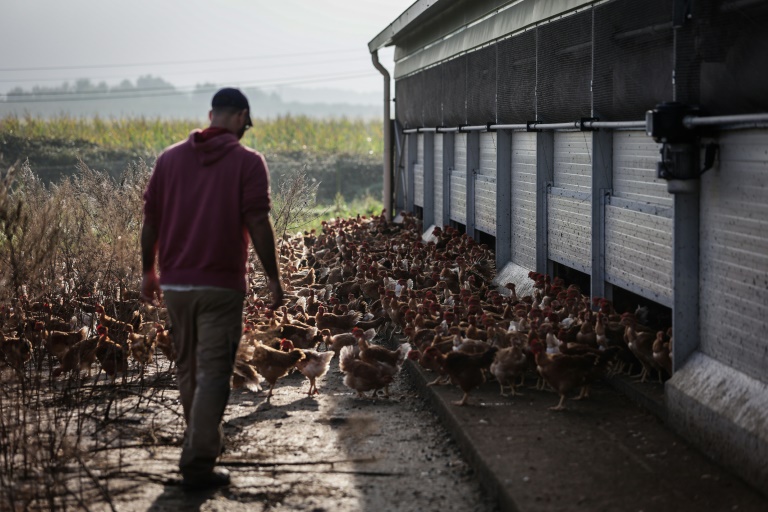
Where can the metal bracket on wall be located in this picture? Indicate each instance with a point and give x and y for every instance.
(530, 126)
(588, 128)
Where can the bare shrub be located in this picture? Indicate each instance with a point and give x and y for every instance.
(293, 202)
(28, 232)
(77, 241)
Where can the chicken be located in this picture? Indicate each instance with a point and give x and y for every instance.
(273, 364)
(361, 376)
(15, 352)
(335, 342)
(164, 341)
(142, 348)
(315, 364)
(466, 370)
(79, 357)
(118, 330)
(662, 352)
(509, 364)
(641, 345)
(245, 376)
(567, 372)
(59, 342)
(431, 359)
(302, 336)
(374, 353)
(112, 356)
(336, 323)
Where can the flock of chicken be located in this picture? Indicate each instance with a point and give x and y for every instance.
(358, 278)
(38, 333)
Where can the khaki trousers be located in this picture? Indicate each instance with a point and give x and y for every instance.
(207, 325)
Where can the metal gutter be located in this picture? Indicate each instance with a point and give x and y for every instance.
(387, 189)
(409, 16)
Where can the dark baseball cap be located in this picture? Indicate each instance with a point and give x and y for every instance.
(231, 97)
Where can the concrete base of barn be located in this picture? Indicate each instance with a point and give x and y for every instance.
(723, 412)
(605, 453)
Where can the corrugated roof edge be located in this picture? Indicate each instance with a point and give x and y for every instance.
(410, 15)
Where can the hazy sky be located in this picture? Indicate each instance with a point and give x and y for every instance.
(301, 43)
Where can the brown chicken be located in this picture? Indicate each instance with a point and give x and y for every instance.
(302, 336)
(336, 323)
(246, 376)
(164, 342)
(273, 364)
(118, 330)
(361, 376)
(567, 372)
(79, 357)
(662, 352)
(315, 364)
(375, 353)
(15, 352)
(335, 342)
(112, 356)
(640, 343)
(60, 342)
(466, 370)
(142, 348)
(431, 359)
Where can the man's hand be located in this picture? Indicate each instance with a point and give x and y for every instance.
(276, 289)
(150, 288)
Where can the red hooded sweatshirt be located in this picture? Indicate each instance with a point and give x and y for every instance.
(196, 198)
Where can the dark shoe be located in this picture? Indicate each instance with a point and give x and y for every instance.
(219, 477)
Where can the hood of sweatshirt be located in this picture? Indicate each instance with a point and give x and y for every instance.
(212, 144)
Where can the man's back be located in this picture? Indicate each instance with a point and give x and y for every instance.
(197, 196)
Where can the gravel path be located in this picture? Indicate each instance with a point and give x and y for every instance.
(331, 452)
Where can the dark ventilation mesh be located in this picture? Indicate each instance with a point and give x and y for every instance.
(723, 57)
(455, 91)
(516, 72)
(481, 86)
(565, 68)
(408, 104)
(432, 97)
(634, 58)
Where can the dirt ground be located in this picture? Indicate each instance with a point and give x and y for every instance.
(330, 452)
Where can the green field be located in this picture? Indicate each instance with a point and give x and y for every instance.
(344, 156)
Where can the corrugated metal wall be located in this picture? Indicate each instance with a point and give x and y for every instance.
(438, 179)
(524, 199)
(569, 209)
(418, 172)
(638, 220)
(485, 185)
(634, 169)
(459, 180)
(573, 161)
(734, 254)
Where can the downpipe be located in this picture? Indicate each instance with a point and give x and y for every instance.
(387, 192)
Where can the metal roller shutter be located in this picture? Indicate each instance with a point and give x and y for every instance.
(524, 199)
(638, 220)
(569, 211)
(458, 211)
(485, 185)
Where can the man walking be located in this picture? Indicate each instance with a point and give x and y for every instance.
(206, 195)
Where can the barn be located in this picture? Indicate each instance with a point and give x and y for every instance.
(620, 144)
